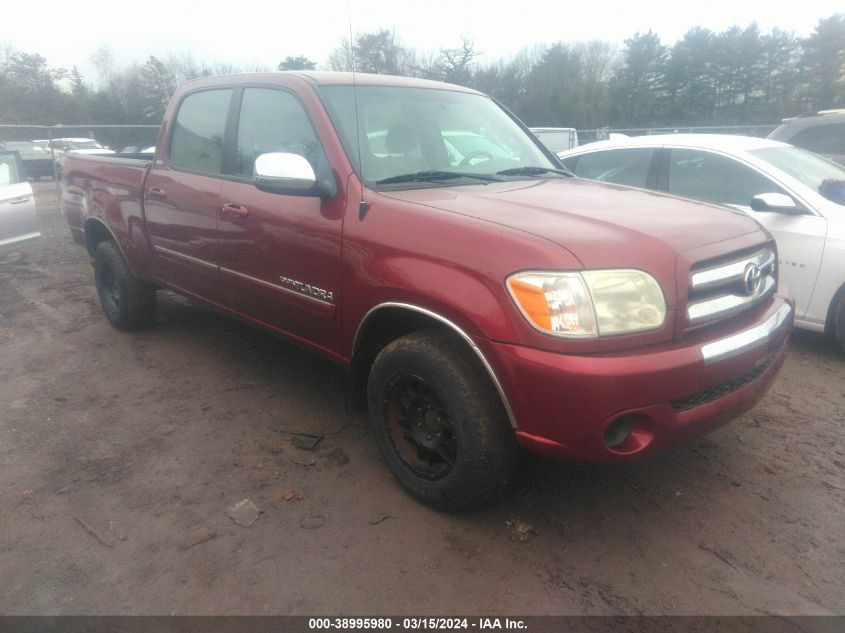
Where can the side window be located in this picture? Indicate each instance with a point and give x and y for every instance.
(197, 139)
(822, 139)
(621, 166)
(713, 178)
(273, 121)
(570, 162)
(9, 174)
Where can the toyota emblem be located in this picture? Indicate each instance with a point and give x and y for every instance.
(751, 278)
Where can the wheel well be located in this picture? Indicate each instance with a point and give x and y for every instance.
(380, 329)
(95, 232)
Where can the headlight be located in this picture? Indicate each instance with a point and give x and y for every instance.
(590, 303)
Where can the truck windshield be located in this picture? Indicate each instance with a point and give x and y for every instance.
(428, 135)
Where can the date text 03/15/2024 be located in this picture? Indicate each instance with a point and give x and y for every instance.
(415, 624)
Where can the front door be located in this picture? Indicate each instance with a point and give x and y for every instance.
(280, 254)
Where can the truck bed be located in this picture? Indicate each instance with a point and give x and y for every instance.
(106, 188)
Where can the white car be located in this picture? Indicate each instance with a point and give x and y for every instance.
(18, 215)
(797, 195)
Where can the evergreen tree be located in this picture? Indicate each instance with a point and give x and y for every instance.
(824, 64)
(640, 82)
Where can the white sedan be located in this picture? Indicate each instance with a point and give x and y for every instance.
(797, 195)
(18, 215)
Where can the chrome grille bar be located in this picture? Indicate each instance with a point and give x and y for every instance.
(722, 290)
(726, 305)
(729, 273)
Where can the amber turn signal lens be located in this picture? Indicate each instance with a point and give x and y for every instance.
(533, 302)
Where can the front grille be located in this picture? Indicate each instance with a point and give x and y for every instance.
(730, 285)
(719, 391)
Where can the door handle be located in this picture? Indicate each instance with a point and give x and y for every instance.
(234, 210)
(19, 200)
(156, 193)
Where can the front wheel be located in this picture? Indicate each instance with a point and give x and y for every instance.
(439, 423)
(127, 302)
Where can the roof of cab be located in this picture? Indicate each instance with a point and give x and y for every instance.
(332, 78)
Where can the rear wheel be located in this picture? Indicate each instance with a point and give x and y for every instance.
(127, 302)
(438, 422)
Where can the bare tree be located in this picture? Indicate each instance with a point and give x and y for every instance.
(103, 60)
(380, 52)
(456, 63)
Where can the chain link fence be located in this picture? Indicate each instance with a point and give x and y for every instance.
(136, 138)
(38, 144)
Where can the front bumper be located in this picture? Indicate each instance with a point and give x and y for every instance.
(564, 405)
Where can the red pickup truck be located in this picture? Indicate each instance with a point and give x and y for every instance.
(417, 233)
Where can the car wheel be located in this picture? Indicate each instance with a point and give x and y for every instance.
(127, 302)
(438, 422)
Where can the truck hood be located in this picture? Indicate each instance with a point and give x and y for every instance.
(602, 225)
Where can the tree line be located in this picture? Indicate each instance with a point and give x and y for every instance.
(737, 76)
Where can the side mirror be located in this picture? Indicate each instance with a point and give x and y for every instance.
(291, 174)
(776, 203)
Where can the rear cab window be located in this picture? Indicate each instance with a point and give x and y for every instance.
(196, 143)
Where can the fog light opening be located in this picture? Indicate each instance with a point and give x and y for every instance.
(618, 431)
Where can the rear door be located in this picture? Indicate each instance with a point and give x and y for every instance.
(182, 195)
(18, 216)
(280, 253)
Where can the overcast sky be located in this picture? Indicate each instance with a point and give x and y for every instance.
(252, 32)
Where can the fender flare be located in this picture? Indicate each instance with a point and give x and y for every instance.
(95, 220)
(457, 330)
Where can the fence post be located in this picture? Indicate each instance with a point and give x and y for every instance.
(56, 178)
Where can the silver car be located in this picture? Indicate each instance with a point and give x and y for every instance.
(18, 217)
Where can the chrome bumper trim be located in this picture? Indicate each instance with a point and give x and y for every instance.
(749, 339)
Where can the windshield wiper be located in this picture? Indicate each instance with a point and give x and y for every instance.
(533, 171)
(434, 175)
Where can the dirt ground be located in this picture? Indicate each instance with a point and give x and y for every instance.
(119, 454)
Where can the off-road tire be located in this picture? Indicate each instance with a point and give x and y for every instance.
(485, 449)
(127, 302)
